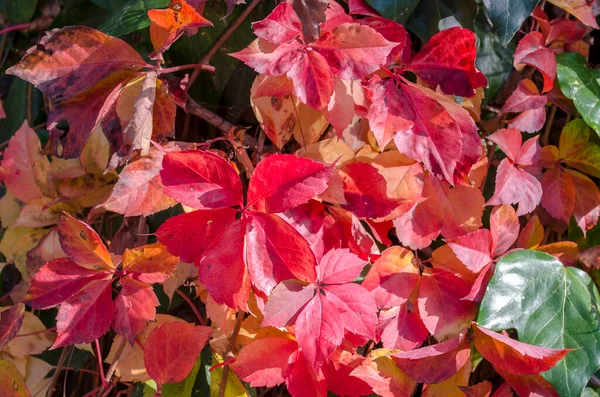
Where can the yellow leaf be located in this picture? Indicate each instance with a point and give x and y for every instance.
(12, 383)
(233, 387)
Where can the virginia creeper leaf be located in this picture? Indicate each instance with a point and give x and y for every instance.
(532, 51)
(135, 306)
(10, 323)
(82, 244)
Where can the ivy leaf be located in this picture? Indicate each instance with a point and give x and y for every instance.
(569, 311)
(508, 15)
(131, 17)
(397, 10)
(579, 83)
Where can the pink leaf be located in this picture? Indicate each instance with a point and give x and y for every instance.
(504, 226)
(271, 59)
(474, 249)
(339, 266)
(280, 26)
(285, 303)
(516, 186)
(532, 51)
(356, 307)
(401, 327)
(313, 81)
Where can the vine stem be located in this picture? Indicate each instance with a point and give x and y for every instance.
(58, 369)
(226, 127)
(113, 367)
(197, 66)
(234, 335)
(546, 134)
(219, 43)
(192, 305)
(9, 29)
(99, 356)
(36, 333)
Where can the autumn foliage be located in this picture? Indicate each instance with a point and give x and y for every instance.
(350, 198)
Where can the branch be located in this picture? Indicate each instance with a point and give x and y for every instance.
(192, 306)
(219, 43)
(226, 127)
(234, 334)
(113, 367)
(14, 27)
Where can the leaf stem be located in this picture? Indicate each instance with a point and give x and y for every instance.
(546, 134)
(36, 333)
(197, 66)
(219, 43)
(9, 29)
(234, 335)
(99, 356)
(192, 305)
(113, 367)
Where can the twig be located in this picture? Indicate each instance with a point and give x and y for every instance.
(113, 367)
(9, 29)
(99, 355)
(197, 66)
(36, 333)
(192, 305)
(234, 334)
(225, 126)
(549, 122)
(58, 369)
(219, 43)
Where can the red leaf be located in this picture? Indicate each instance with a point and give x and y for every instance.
(532, 51)
(401, 327)
(286, 301)
(188, 235)
(514, 357)
(337, 373)
(280, 26)
(201, 179)
(365, 191)
(313, 81)
(265, 362)
(393, 277)
(475, 249)
(167, 25)
(504, 227)
(135, 306)
(559, 193)
(353, 51)
(303, 380)
(222, 269)
(319, 329)
(82, 244)
(529, 385)
(481, 389)
(526, 99)
(394, 32)
(57, 281)
(357, 308)
(69, 61)
(275, 251)
(448, 60)
(442, 310)
(172, 351)
(10, 323)
(86, 315)
(283, 181)
(339, 266)
(384, 377)
(434, 363)
(587, 201)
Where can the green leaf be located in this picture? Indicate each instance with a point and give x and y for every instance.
(494, 59)
(131, 17)
(549, 305)
(397, 10)
(508, 15)
(431, 16)
(580, 84)
(587, 392)
(15, 106)
(20, 11)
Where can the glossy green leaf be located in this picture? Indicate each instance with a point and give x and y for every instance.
(494, 59)
(581, 84)
(131, 17)
(20, 11)
(508, 15)
(397, 10)
(587, 392)
(549, 305)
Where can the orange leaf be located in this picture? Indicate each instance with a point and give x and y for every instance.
(82, 244)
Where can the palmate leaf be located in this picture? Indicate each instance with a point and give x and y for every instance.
(549, 305)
